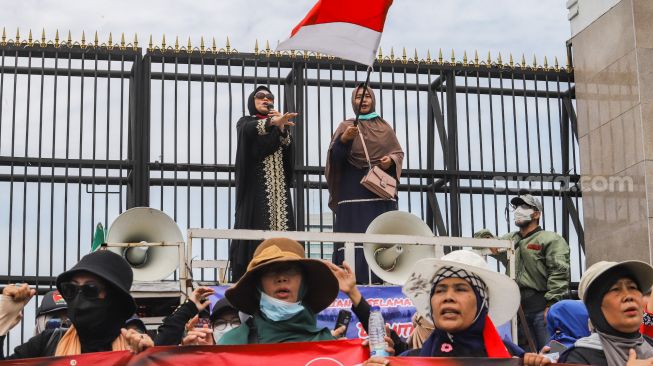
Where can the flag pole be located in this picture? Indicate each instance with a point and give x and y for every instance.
(367, 81)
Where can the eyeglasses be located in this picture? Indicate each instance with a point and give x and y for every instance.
(222, 324)
(263, 95)
(69, 290)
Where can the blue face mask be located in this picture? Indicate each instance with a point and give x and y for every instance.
(368, 116)
(278, 310)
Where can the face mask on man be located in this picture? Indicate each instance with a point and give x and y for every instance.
(523, 216)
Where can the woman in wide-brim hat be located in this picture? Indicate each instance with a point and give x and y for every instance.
(282, 290)
(612, 293)
(463, 299)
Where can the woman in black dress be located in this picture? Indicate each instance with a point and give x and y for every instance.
(263, 175)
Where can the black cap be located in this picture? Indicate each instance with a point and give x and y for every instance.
(135, 320)
(52, 301)
(110, 267)
(220, 307)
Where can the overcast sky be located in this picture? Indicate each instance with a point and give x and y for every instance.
(530, 26)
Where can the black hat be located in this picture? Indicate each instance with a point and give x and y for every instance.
(52, 301)
(135, 320)
(110, 267)
(220, 307)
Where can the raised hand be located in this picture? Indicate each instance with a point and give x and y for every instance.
(200, 297)
(137, 342)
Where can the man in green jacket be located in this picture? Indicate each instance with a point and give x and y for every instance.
(542, 265)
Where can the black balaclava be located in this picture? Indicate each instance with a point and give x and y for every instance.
(251, 105)
(97, 321)
(594, 299)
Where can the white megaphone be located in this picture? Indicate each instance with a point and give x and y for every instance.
(149, 225)
(394, 263)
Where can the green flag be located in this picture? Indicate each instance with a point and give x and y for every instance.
(99, 237)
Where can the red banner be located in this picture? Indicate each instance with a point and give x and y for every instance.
(445, 361)
(327, 353)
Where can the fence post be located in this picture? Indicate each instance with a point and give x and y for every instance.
(138, 188)
(452, 154)
(294, 99)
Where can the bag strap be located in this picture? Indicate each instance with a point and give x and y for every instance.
(252, 336)
(367, 156)
(53, 341)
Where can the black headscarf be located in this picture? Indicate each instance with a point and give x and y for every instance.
(251, 103)
(594, 299)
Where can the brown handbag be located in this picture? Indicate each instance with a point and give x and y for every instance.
(376, 180)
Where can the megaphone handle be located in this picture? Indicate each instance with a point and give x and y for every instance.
(350, 255)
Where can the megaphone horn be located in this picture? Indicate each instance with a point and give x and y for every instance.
(147, 225)
(394, 263)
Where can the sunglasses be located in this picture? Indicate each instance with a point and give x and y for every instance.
(263, 95)
(90, 291)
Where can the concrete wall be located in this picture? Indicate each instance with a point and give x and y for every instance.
(613, 60)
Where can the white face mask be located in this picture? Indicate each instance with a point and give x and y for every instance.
(217, 334)
(523, 216)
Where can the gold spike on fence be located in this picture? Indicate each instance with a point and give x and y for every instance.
(203, 47)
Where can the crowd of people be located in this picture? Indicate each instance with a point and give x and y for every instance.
(277, 291)
(278, 297)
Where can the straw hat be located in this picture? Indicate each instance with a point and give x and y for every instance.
(503, 292)
(321, 284)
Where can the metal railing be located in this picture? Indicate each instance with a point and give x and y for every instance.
(88, 130)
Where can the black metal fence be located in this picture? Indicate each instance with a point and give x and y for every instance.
(89, 130)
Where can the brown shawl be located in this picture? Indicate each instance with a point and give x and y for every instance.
(69, 345)
(380, 140)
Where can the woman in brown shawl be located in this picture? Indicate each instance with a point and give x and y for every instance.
(354, 205)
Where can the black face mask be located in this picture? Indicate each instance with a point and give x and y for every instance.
(96, 321)
(87, 314)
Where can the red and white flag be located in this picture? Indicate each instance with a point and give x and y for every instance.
(349, 29)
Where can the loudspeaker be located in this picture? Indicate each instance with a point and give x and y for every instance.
(394, 263)
(144, 224)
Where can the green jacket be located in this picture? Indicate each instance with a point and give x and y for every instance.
(541, 262)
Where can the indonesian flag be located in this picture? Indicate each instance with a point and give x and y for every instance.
(349, 29)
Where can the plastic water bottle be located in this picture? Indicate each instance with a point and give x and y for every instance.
(376, 332)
